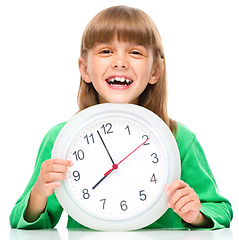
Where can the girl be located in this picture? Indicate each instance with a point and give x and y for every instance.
(122, 61)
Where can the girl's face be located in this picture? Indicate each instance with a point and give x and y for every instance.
(119, 71)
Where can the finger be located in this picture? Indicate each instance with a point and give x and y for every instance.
(50, 162)
(191, 205)
(52, 176)
(57, 168)
(49, 187)
(179, 197)
(177, 184)
(183, 200)
(58, 161)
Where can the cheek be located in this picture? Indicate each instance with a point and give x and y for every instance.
(97, 67)
(144, 68)
(145, 71)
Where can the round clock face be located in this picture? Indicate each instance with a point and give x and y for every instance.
(124, 160)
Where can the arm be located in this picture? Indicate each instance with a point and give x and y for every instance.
(197, 190)
(185, 202)
(51, 171)
(51, 212)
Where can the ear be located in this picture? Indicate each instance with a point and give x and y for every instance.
(157, 71)
(84, 70)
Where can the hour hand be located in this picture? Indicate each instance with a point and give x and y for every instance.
(105, 147)
(101, 179)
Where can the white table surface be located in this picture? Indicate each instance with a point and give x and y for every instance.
(223, 234)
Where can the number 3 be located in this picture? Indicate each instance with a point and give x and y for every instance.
(155, 157)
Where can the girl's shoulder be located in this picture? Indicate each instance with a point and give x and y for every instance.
(57, 128)
(54, 131)
(184, 138)
(183, 132)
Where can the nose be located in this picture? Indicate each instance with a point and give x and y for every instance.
(120, 63)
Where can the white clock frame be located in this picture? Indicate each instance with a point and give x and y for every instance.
(150, 121)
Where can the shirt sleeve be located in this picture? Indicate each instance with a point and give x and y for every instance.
(50, 217)
(197, 173)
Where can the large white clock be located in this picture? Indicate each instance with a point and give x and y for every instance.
(125, 157)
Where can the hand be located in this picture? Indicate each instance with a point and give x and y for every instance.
(115, 166)
(51, 170)
(184, 202)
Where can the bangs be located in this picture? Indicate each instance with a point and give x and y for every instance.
(128, 24)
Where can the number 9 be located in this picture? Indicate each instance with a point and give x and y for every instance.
(76, 174)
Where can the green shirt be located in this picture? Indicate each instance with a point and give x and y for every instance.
(195, 171)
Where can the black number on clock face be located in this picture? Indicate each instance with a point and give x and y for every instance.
(155, 157)
(76, 175)
(145, 137)
(88, 138)
(142, 195)
(79, 155)
(104, 200)
(86, 194)
(128, 129)
(123, 205)
(107, 127)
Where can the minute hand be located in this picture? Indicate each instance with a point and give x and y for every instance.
(115, 166)
(105, 147)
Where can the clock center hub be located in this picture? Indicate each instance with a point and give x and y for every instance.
(115, 166)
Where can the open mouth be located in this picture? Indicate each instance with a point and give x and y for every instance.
(119, 81)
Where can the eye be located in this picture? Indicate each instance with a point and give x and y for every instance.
(135, 52)
(106, 51)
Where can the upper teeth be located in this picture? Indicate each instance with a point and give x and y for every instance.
(120, 79)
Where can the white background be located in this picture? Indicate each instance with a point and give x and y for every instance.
(39, 49)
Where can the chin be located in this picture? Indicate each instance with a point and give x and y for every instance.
(119, 99)
(123, 101)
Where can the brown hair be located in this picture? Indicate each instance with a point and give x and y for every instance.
(131, 25)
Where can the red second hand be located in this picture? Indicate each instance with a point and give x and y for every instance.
(115, 166)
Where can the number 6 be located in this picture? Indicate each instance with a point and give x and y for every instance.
(123, 205)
